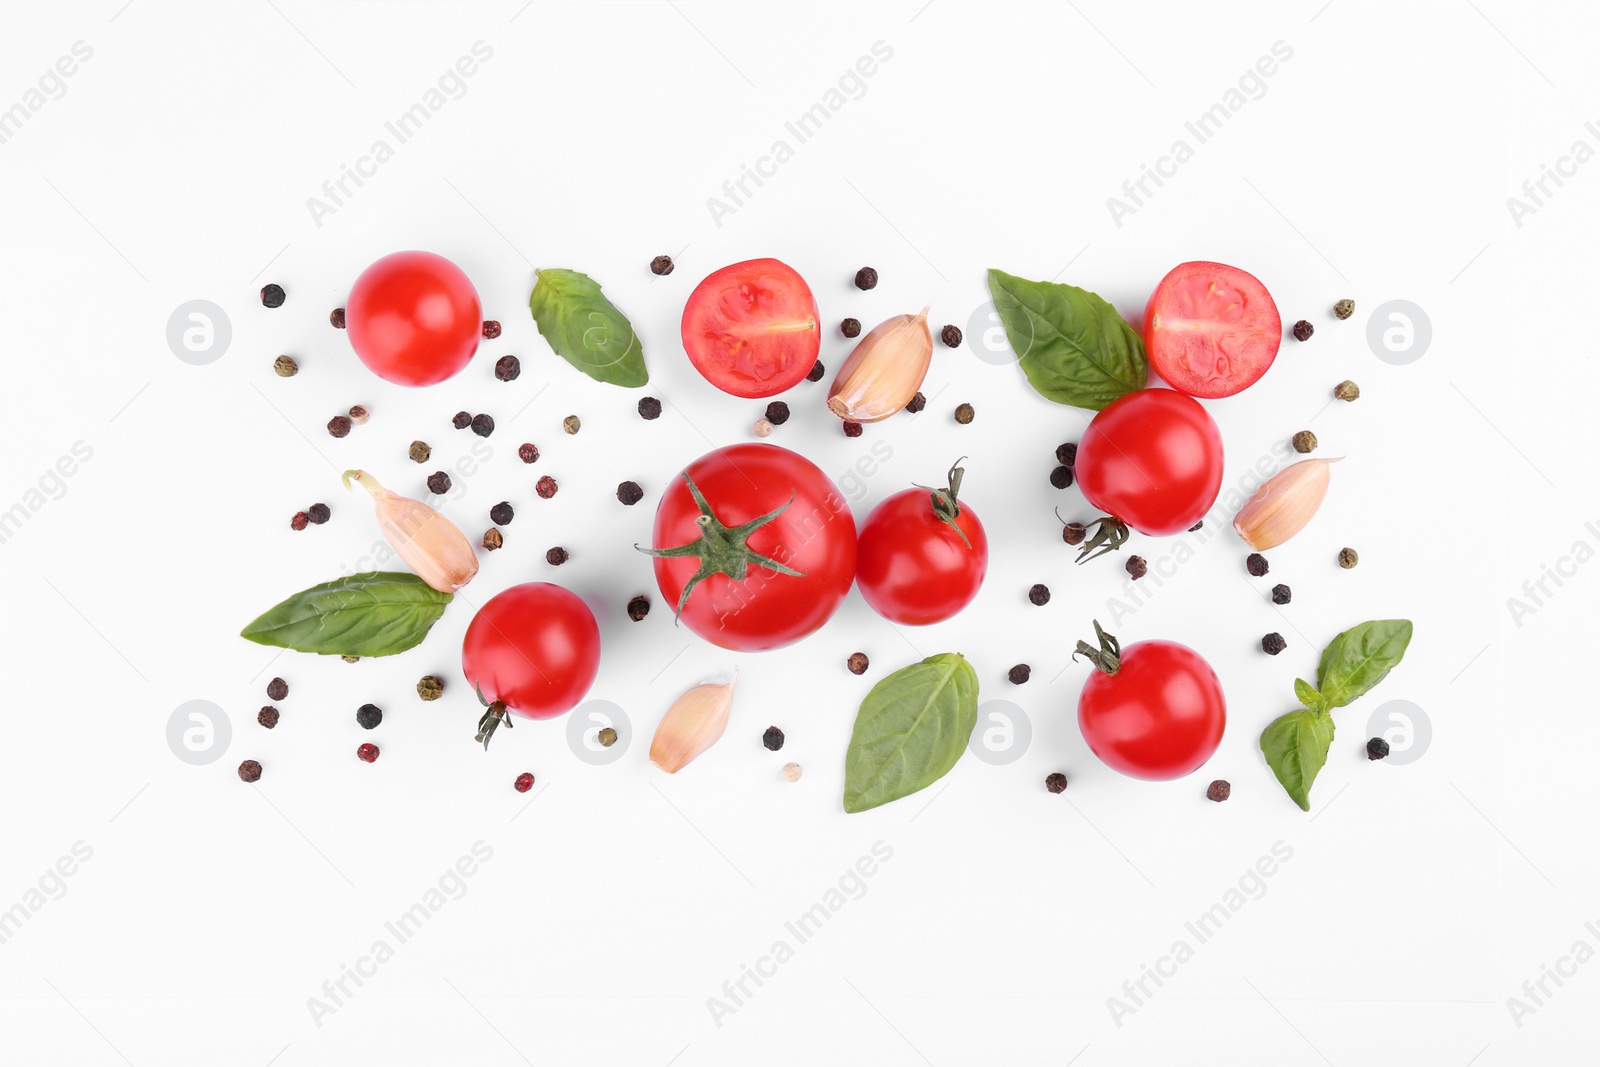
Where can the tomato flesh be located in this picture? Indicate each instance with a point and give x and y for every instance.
(1211, 330)
(1160, 716)
(1152, 459)
(535, 646)
(752, 329)
(414, 318)
(913, 568)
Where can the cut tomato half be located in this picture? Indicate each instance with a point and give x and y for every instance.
(752, 328)
(1211, 330)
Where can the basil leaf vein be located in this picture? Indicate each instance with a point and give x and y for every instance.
(1296, 747)
(1360, 658)
(911, 729)
(1074, 347)
(377, 614)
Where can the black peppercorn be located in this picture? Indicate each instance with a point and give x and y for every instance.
(916, 403)
(964, 413)
(493, 540)
(817, 371)
(1256, 564)
(1273, 643)
(1303, 330)
(1280, 594)
(483, 425)
(850, 327)
(339, 426)
(1067, 454)
(277, 689)
(369, 716)
(866, 278)
(1377, 748)
(852, 429)
(1039, 595)
(951, 336)
(461, 420)
(419, 452)
(267, 716)
(528, 453)
(661, 266)
(336, 317)
(1061, 476)
(285, 367)
(556, 556)
(630, 493)
(508, 368)
(1073, 533)
(502, 513)
(1136, 567)
(249, 771)
(1019, 674)
(545, 487)
(1056, 783)
(318, 513)
(777, 413)
(491, 329)
(438, 483)
(857, 663)
(638, 608)
(772, 739)
(430, 687)
(1219, 790)
(272, 295)
(649, 408)
(1197, 526)
(299, 521)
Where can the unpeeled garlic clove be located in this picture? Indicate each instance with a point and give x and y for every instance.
(1281, 508)
(430, 544)
(693, 724)
(884, 371)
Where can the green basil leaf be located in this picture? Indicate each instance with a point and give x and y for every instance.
(911, 729)
(1360, 658)
(1073, 346)
(1307, 695)
(375, 614)
(1296, 747)
(586, 329)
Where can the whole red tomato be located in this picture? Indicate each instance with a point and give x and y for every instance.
(752, 328)
(534, 650)
(1152, 460)
(1153, 710)
(755, 546)
(413, 318)
(922, 555)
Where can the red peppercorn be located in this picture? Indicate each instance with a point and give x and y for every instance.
(300, 520)
(249, 771)
(852, 429)
(491, 329)
(545, 487)
(367, 753)
(1219, 790)
(1056, 783)
(528, 453)
(524, 782)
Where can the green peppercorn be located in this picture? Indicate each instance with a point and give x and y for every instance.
(285, 367)
(1347, 391)
(1305, 441)
(1348, 558)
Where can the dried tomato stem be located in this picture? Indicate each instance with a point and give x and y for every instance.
(1110, 534)
(1108, 657)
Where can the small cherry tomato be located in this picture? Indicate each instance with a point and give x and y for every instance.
(752, 328)
(922, 555)
(1211, 330)
(1153, 710)
(414, 318)
(533, 650)
(1152, 460)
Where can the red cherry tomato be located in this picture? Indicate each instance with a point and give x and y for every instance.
(534, 650)
(922, 555)
(1159, 716)
(752, 328)
(1211, 330)
(1153, 460)
(769, 556)
(413, 318)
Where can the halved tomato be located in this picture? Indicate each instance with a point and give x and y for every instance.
(752, 328)
(1211, 330)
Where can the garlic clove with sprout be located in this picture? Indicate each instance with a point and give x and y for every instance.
(430, 544)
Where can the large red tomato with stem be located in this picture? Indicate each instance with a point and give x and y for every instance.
(532, 650)
(922, 554)
(1153, 710)
(414, 318)
(752, 328)
(1211, 330)
(755, 547)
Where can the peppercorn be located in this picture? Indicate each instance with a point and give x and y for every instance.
(607, 736)
(964, 413)
(1197, 526)
(1056, 783)
(267, 716)
(857, 663)
(502, 513)
(852, 429)
(419, 452)
(1377, 748)
(249, 771)
(1304, 441)
(1273, 643)
(1136, 567)
(1344, 308)
(1019, 674)
(272, 295)
(777, 413)
(367, 753)
(523, 783)
(359, 415)
(638, 608)
(1280, 594)
(483, 425)
(1073, 533)
(336, 318)
(1039, 595)
(318, 513)
(461, 420)
(1347, 391)
(1256, 564)
(950, 335)
(791, 772)
(508, 368)
(571, 424)
(429, 687)
(629, 493)
(1067, 454)
(528, 453)
(299, 521)
(1303, 330)
(1061, 477)
(438, 483)
(351, 659)
(661, 266)
(772, 739)
(368, 716)
(649, 409)
(285, 367)
(339, 426)
(277, 689)
(817, 371)
(866, 278)
(545, 487)
(493, 539)
(491, 329)
(761, 428)
(1219, 790)
(1348, 558)
(850, 327)
(556, 556)
(916, 403)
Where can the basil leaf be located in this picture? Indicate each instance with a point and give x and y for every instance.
(911, 729)
(586, 329)
(1073, 346)
(1296, 747)
(375, 614)
(1308, 696)
(1360, 658)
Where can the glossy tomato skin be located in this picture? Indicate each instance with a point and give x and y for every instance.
(912, 567)
(414, 318)
(534, 646)
(1211, 330)
(1152, 459)
(1159, 717)
(752, 328)
(815, 535)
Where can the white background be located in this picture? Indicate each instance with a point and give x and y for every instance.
(177, 166)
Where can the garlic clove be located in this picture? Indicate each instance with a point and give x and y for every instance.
(1282, 507)
(884, 371)
(693, 724)
(430, 544)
